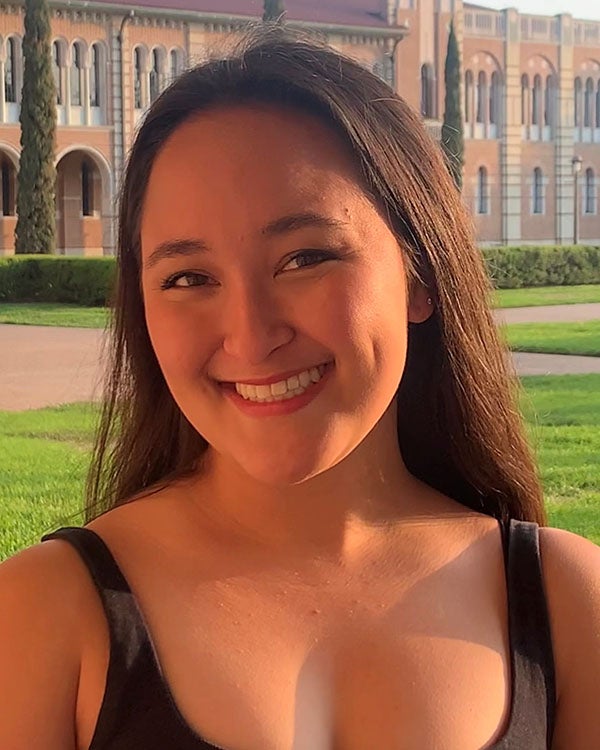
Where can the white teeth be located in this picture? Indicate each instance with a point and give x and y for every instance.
(304, 378)
(284, 389)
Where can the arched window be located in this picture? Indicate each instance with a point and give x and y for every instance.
(95, 76)
(598, 106)
(137, 78)
(426, 91)
(538, 191)
(155, 75)
(176, 66)
(590, 192)
(481, 96)
(549, 99)
(524, 99)
(587, 103)
(10, 71)
(577, 101)
(536, 102)
(87, 189)
(57, 64)
(482, 191)
(495, 98)
(76, 67)
(468, 95)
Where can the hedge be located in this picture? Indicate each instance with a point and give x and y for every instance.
(89, 281)
(516, 267)
(57, 278)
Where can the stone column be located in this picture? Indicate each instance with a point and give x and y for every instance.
(563, 138)
(510, 142)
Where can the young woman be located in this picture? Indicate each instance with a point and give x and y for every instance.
(314, 521)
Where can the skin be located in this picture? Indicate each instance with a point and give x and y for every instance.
(321, 479)
(306, 580)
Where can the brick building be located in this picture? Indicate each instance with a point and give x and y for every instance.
(531, 100)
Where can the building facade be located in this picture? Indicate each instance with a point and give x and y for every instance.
(530, 97)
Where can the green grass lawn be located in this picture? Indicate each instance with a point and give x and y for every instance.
(45, 452)
(547, 295)
(555, 338)
(47, 314)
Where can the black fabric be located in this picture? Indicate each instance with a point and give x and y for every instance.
(138, 710)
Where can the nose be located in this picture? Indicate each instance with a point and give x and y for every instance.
(253, 324)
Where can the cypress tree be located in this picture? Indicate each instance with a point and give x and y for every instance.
(453, 142)
(273, 10)
(36, 223)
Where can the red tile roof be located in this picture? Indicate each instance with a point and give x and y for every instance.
(343, 12)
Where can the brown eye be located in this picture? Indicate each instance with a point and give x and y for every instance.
(192, 279)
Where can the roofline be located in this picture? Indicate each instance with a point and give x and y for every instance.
(394, 32)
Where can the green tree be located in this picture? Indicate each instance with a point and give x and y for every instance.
(273, 10)
(453, 142)
(36, 223)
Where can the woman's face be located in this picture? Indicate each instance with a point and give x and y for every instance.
(262, 257)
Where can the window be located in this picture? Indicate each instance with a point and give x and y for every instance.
(598, 106)
(57, 72)
(137, 80)
(482, 191)
(481, 96)
(10, 72)
(495, 98)
(589, 205)
(524, 99)
(549, 99)
(76, 67)
(8, 204)
(468, 95)
(577, 101)
(95, 76)
(587, 103)
(538, 191)
(536, 102)
(426, 91)
(87, 189)
(175, 64)
(155, 75)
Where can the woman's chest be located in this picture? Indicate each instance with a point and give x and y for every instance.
(280, 667)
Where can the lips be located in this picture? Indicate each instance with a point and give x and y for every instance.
(271, 379)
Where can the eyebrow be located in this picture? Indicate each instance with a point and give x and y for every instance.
(290, 223)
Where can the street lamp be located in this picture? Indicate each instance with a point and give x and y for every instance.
(576, 163)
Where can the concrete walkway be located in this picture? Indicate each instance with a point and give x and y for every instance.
(43, 366)
(550, 314)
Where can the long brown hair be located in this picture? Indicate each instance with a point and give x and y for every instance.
(459, 425)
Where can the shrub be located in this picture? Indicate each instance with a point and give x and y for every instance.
(515, 267)
(50, 278)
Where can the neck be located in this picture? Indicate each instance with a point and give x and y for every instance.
(336, 516)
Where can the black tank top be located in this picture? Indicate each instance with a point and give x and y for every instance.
(138, 711)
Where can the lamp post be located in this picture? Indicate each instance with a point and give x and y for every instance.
(576, 163)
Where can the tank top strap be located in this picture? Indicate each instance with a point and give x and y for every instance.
(131, 649)
(532, 661)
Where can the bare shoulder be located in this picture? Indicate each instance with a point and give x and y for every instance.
(571, 567)
(42, 591)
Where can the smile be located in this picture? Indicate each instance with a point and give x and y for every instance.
(281, 390)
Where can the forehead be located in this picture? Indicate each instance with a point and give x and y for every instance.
(241, 167)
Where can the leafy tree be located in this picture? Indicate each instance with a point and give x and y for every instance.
(453, 142)
(273, 10)
(36, 224)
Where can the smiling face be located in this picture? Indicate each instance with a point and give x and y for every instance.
(262, 257)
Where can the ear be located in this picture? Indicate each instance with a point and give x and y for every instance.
(420, 303)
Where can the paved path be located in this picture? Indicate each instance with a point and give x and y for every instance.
(42, 366)
(550, 313)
